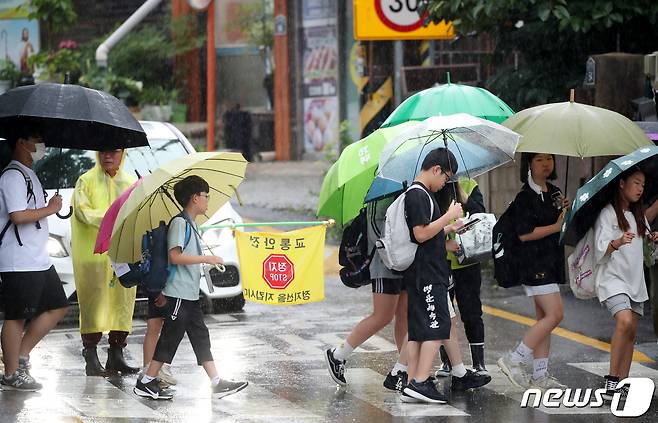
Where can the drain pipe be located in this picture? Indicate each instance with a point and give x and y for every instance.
(103, 50)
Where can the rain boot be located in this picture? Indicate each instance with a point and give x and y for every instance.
(93, 366)
(446, 367)
(116, 363)
(477, 356)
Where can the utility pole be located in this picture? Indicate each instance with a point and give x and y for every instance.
(281, 81)
(211, 93)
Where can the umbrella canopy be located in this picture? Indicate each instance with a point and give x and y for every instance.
(345, 185)
(479, 146)
(449, 99)
(153, 199)
(107, 224)
(577, 130)
(596, 193)
(71, 116)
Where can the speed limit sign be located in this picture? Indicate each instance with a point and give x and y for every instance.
(395, 20)
(399, 15)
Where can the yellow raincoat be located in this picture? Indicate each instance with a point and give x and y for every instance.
(104, 304)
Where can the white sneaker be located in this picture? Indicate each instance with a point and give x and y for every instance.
(513, 371)
(546, 382)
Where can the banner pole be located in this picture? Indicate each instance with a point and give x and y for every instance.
(328, 223)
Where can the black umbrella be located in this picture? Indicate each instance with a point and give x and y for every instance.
(71, 116)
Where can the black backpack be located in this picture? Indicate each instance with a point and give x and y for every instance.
(153, 270)
(353, 254)
(506, 250)
(30, 196)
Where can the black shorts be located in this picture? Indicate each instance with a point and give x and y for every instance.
(155, 312)
(28, 294)
(428, 312)
(388, 286)
(183, 317)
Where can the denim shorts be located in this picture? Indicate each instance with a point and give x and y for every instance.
(620, 302)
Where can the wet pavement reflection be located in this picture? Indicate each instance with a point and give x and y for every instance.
(280, 352)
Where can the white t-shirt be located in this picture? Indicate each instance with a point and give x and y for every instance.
(621, 272)
(33, 255)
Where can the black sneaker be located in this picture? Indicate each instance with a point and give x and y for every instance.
(408, 399)
(425, 391)
(336, 368)
(397, 382)
(610, 387)
(20, 381)
(152, 390)
(469, 380)
(228, 387)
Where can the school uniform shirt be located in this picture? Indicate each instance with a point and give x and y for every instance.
(621, 272)
(33, 255)
(375, 216)
(183, 281)
(545, 256)
(430, 265)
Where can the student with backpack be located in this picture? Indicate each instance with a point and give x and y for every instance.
(31, 288)
(389, 300)
(180, 296)
(618, 249)
(428, 276)
(538, 215)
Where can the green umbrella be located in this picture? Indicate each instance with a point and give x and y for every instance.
(347, 181)
(593, 196)
(448, 99)
(577, 130)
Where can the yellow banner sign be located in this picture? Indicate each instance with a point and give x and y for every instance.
(282, 268)
(395, 20)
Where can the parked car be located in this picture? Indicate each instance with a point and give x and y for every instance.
(219, 291)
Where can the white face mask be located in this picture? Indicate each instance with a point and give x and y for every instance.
(40, 153)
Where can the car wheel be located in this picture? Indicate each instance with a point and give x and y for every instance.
(228, 305)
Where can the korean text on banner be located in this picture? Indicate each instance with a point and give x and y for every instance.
(282, 268)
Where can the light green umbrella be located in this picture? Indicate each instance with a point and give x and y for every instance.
(347, 181)
(448, 99)
(153, 199)
(577, 130)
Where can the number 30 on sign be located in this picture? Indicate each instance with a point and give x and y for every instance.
(395, 20)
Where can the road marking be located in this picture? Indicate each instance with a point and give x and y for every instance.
(601, 369)
(564, 333)
(366, 385)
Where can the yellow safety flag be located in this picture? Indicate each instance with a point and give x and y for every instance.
(282, 268)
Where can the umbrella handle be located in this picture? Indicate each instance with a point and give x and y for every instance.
(66, 216)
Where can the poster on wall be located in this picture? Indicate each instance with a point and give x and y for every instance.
(320, 61)
(318, 12)
(19, 39)
(320, 124)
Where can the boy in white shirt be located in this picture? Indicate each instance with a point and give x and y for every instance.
(31, 288)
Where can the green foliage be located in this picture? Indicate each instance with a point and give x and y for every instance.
(140, 66)
(330, 152)
(552, 37)
(55, 65)
(9, 72)
(54, 15)
(257, 20)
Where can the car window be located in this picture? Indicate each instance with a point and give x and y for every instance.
(62, 170)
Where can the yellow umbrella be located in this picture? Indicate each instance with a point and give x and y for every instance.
(153, 199)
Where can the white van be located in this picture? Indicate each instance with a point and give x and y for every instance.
(219, 291)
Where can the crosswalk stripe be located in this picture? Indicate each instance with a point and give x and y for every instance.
(601, 369)
(500, 384)
(366, 385)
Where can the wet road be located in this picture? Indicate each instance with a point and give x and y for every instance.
(280, 352)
